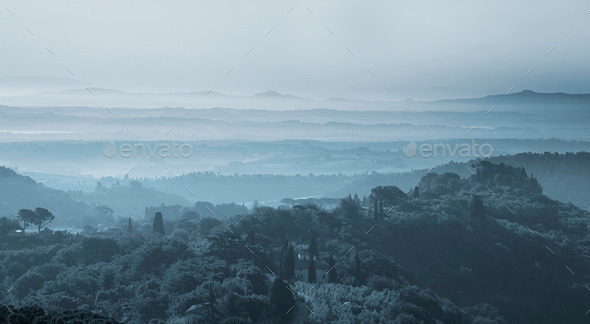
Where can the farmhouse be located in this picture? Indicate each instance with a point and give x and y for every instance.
(302, 267)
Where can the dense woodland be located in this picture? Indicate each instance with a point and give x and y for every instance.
(564, 177)
(488, 248)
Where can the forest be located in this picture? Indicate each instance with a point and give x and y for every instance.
(486, 248)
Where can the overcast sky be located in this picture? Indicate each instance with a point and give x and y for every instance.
(459, 47)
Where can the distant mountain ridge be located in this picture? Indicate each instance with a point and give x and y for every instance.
(526, 95)
(273, 100)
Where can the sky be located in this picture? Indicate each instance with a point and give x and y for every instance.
(353, 49)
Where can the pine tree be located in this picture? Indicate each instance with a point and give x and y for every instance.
(41, 217)
(416, 192)
(129, 226)
(313, 247)
(311, 274)
(357, 269)
(25, 216)
(159, 224)
(332, 274)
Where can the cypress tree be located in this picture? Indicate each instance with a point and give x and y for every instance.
(356, 199)
(251, 239)
(376, 211)
(129, 226)
(332, 274)
(357, 269)
(311, 274)
(283, 256)
(289, 264)
(159, 224)
(281, 298)
(313, 247)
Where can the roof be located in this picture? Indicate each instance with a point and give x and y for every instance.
(304, 264)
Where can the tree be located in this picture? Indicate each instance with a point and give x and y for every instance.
(226, 246)
(284, 249)
(332, 274)
(389, 194)
(191, 215)
(313, 247)
(356, 199)
(376, 209)
(311, 273)
(357, 269)
(26, 216)
(381, 195)
(349, 209)
(477, 208)
(207, 224)
(159, 224)
(281, 298)
(288, 264)
(416, 192)
(8, 225)
(104, 214)
(43, 218)
(532, 185)
(251, 239)
(40, 217)
(129, 226)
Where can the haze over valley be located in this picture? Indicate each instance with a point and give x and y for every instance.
(265, 162)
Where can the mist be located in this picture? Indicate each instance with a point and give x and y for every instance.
(269, 162)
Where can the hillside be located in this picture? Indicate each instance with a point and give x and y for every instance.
(19, 192)
(565, 177)
(488, 248)
(509, 251)
(127, 198)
